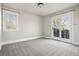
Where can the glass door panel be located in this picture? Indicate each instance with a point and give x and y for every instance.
(62, 26)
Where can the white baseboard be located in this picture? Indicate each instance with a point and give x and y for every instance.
(31, 38)
(20, 40)
(46, 37)
(0, 47)
(75, 43)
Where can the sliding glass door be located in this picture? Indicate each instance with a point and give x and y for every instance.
(55, 27)
(62, 26)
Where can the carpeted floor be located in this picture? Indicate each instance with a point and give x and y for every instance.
(40, 47)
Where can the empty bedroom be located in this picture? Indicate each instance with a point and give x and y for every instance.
(39, 29)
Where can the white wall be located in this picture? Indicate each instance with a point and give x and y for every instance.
(47, 26)
(76, 25)
(47, 23)
(0, 26)
(29, 25)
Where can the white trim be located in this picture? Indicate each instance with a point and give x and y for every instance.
(75, 43)
(0, 46)
(20, 40)
(31, 38)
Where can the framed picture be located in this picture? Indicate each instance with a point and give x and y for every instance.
(10, 21)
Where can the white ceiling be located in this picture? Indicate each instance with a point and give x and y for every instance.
(48, 8)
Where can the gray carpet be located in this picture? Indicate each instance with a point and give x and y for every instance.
(40, 47)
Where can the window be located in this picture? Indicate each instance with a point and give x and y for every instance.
(10, 20)
(62, 25)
